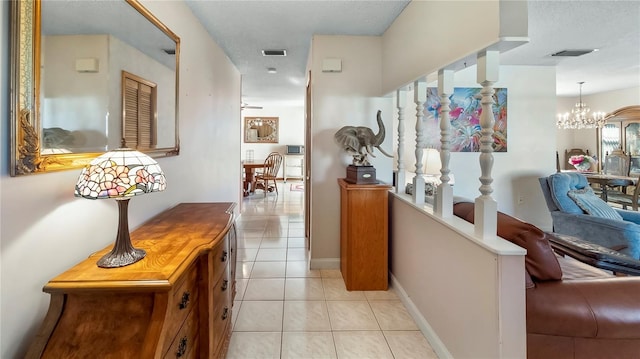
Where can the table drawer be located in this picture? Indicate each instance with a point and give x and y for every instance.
(222, 310)
(220, 259)
(185, 343)
(184, 300)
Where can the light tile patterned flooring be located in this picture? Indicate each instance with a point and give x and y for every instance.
(285, 310)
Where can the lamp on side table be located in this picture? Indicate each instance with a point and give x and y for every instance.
(120, 174)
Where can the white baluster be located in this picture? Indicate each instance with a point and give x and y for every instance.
(486, 208)
(401, 181)
(419, 97)
(444, 194)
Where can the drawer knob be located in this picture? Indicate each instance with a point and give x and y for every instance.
(224, 256)
(225, 313)
(182, 347)
(185, 300)
(225, 284)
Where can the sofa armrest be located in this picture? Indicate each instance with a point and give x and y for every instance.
(596, 308)
(594, 254)
(606, 232)
(629, 216)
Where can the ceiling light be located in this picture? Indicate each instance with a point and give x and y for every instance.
(272, 70)
(274, 52)
(579, 117)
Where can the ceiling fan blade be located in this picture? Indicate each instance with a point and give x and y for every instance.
(244, 106)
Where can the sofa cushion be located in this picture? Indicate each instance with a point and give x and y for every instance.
(590, 308)
(540, 261)
(592, 204)
(560, 184)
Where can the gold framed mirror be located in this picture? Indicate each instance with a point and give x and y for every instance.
(261, 129)
(66, 85)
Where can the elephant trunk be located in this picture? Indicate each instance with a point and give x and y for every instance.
(379, 138)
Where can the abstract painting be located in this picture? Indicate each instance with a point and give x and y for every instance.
(465, 119)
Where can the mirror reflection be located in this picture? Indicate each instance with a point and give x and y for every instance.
(261, 129)
(83, 102)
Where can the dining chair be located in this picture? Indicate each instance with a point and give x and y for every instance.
(271, 167)
(617, 163)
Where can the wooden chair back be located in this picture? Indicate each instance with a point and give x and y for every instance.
(272, 165)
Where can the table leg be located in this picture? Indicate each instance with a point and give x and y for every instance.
(248, 182)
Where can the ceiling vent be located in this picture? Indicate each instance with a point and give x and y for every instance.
(170, 51)
(274, 52)
(573, 53)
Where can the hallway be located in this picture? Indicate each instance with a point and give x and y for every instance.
(285, 310)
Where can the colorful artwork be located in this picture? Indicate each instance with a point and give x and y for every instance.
(465, 119)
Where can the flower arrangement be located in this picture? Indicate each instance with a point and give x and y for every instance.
(583, 163)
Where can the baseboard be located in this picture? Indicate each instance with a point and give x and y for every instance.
(426, 329)
(324, 263)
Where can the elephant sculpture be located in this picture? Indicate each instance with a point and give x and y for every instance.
(359, 141)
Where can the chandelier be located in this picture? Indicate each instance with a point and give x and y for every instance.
(579, 117)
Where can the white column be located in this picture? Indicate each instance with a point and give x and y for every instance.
(401, 102)
(486, 208)
(419, 97)
(444, 194)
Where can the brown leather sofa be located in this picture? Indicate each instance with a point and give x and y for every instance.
(578, 318)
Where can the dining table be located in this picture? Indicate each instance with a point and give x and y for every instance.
(249, 182)
(606, 181)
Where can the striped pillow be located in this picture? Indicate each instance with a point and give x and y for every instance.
(592, 204)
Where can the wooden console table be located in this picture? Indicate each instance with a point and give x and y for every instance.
(174, 303)
(364, 244)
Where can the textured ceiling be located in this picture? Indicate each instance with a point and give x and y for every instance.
(613, 27)
(243, 28)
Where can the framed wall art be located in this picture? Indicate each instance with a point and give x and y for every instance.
(465, 119)
(261, 129)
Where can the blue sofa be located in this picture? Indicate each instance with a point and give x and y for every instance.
(577, 211)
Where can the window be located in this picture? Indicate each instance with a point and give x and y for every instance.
(139, 99)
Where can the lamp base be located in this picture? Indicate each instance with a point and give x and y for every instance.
(114, 260)
(123, 252)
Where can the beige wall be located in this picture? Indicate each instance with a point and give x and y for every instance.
(349, 97)
(44, 230)
(431, 34)
(466, 294)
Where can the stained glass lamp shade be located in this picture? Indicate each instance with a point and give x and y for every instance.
(120, 174)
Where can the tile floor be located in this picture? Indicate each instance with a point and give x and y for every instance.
(285, 310)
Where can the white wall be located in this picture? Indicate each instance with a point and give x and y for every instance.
(72, 100)
(530, 148)
(45, 230)
(291, 127)
(346, 98)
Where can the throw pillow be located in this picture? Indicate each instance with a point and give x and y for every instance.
(592, 204)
